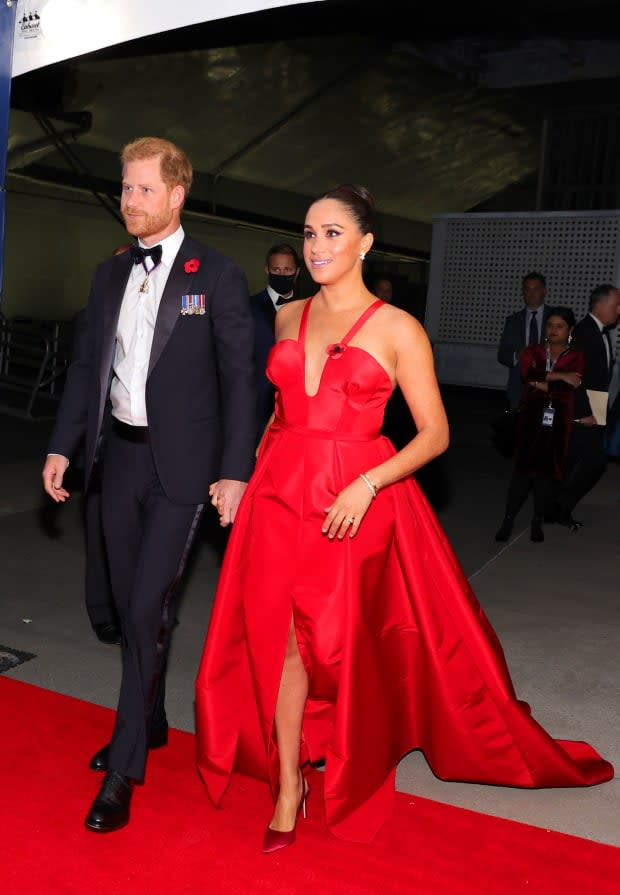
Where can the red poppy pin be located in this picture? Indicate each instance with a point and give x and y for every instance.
(192, 266)
(336, 350)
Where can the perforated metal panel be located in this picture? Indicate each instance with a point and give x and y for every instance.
(477, 264)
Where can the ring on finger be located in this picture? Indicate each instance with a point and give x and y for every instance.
(351, 520)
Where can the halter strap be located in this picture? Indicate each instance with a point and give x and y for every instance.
(370, 310)
(304, 322)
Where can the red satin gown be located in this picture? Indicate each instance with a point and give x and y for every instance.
(399, 653)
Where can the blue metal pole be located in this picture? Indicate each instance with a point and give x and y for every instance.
(7, 32)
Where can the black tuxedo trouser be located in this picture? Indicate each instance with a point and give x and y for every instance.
(97, 586)
(584, 466)
(147, 539)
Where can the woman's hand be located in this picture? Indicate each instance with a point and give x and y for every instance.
(539, 385)
(347, 511)
(226, 496)
(572, 379)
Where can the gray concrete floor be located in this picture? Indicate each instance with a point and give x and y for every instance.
(554, 606)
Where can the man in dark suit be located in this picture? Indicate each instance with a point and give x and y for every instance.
(523, 328)
(586, 458)
(282, 267)
(165, 396)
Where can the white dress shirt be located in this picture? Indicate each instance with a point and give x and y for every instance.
(134, 333)
(274, 296)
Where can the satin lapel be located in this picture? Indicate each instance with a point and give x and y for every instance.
(115, 290)
(169, 311)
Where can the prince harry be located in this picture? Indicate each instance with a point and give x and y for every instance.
(164, 399)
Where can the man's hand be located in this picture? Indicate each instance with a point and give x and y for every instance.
(53, 474)
(225, 497)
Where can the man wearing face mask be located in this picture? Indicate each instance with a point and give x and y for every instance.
(282, 267)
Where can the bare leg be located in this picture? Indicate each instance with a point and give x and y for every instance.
(289, 716)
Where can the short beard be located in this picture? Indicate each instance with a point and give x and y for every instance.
(146, 225)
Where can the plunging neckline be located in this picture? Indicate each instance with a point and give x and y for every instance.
(341, 344)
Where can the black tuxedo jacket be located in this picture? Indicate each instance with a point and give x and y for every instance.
(264, 315)
(513, 340)
(200, 390)
(588, 338)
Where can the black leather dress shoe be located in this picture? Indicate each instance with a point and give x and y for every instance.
(108, 632)
(563, 517)
(99, 761)
(567, 520)
(110, 810)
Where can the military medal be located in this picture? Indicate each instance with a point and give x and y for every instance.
(192, 304)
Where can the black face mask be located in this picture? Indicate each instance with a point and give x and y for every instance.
(282, 284)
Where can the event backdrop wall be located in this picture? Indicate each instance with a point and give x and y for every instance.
(477, 263)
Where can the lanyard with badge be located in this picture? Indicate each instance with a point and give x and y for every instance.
(549, 410)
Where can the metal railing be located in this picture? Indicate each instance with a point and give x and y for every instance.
(33, 361)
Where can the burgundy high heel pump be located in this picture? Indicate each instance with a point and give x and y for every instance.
(274, 840)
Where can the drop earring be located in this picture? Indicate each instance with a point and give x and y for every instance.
(362, 255)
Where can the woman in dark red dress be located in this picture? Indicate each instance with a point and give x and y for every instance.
(344, 628)
(551, 372)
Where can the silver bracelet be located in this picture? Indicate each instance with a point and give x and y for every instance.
(370, 484)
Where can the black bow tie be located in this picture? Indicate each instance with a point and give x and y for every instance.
(281, 300)
(139, 254)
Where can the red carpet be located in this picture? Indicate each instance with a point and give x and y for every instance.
(178, 843)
